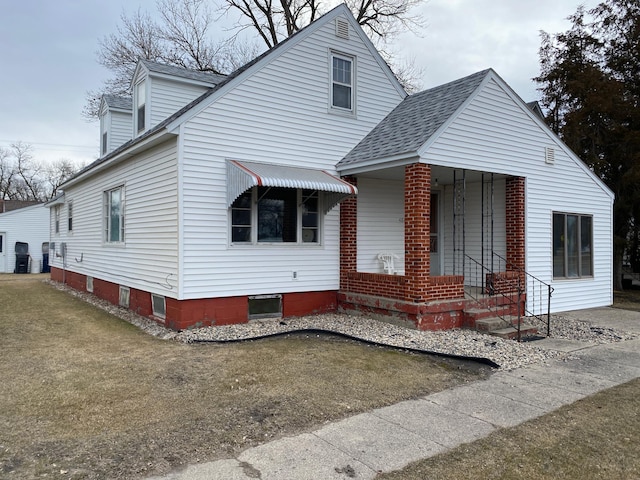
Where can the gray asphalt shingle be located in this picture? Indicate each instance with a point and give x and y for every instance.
(413, 121)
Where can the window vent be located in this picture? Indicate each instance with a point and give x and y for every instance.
(549, 155)
(342, 28)
(90, 284)
(159, 306)
(124, 297)
(265, 306)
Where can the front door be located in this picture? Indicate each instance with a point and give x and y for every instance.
(3, 253)
(434, 227)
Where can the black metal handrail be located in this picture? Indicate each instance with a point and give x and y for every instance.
(538, 293)
(480, 279)
(495, 280)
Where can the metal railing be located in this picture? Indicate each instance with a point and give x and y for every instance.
(505, 280)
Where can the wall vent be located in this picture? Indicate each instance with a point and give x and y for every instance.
(90, 284)
(123, 300)
(549, 155)
(342, 28)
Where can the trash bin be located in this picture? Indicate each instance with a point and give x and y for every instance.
(22, 257)
(45, 258)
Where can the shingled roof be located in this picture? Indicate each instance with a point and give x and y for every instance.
(197, 75)
(117, 102)
(413, 121)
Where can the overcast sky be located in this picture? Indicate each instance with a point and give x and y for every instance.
(48, 58)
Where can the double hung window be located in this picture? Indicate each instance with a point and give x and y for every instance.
(342, 81)
(114, 215)
(56, 213)
(276, 215)
(70, 217)
(572, 245)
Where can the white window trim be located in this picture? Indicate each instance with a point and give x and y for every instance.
(138, 130)
(340, 110)
(106, 217)
(56, 219)
(254, 222)
(70, 217)
(580, 275)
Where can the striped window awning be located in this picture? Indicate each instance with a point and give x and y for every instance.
(241, 176)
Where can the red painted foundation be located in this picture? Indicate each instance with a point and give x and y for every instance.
(203, 312)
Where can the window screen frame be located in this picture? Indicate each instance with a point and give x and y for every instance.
(569, 251)
(337, 82)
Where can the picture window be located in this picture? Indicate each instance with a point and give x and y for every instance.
(572, 245)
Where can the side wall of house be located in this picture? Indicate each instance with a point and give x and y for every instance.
(121, 128)
(278, 115)
(29, 225)
(167, 97)
(494, 133)
(148, 258)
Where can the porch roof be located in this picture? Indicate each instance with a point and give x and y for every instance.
(410, 125)
(241, 176)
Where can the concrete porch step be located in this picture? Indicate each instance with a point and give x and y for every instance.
(511, 332)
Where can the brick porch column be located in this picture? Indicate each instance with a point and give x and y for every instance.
(348, 236)
(515, 200)
(417, 211)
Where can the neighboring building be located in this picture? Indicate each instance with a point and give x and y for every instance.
(222, 204)
(28, 225)
(8, 205)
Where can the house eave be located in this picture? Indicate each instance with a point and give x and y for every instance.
(379, 164)
(153, 140)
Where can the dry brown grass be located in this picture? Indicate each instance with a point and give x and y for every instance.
(595, 438)
(85, 393)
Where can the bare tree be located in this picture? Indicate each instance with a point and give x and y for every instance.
(24, 178)
(182, 37)
(274, 21)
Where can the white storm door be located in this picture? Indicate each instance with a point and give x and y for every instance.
(435, 241)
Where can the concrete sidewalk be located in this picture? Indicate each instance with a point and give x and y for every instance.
(389, 438)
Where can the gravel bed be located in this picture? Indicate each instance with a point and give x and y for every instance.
(503, 354)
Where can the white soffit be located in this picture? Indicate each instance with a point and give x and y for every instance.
(241, 176)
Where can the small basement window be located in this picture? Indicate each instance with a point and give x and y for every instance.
(265, 306)
(159, 306)
(124, 296)
(90, 284)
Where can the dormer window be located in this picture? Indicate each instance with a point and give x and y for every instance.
(140, 106)
(342, 81)
(104, 143)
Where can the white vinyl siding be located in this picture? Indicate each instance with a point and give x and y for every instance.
(148, 258)
(31, 225)
(291, 125)
(120, 129)
(380, 223)
(167, 97)
(496, 134)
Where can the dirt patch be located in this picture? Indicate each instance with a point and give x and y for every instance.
(86, 395)
(597, 437)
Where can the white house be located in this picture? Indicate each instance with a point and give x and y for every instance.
(226, 203)
(28, 225)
